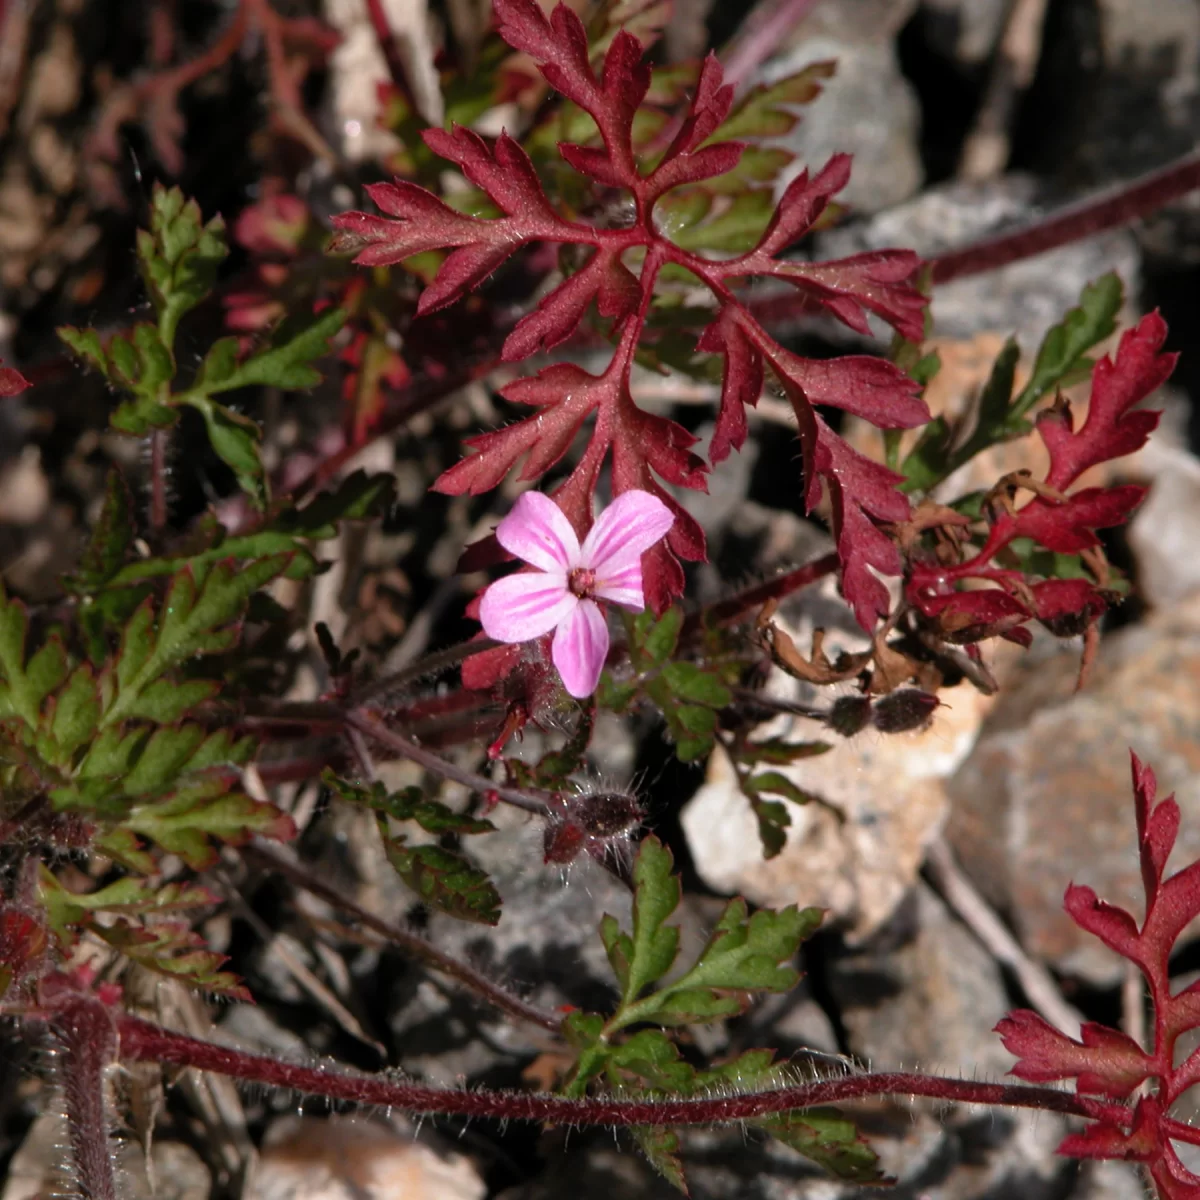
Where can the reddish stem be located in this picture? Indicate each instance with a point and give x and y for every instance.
(1110, 210)
(762, 35)
(87, 1045)
(158, 480)
(401, 745)
(143, 1042)
(742, 603)
(391, 52)
(410, 943)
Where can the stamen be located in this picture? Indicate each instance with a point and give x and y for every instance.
(581, 581)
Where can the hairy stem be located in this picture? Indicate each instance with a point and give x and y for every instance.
(387, 45)
(87, 1045)
(742, 604)
(1111, 210)
(762, 35)
(529, 801)
(158, 480)
(142, 1041)
(409, 943)
(431, 664)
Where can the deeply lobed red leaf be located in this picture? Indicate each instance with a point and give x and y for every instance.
(648, 451)
(1105, 1061)
(1065, 524)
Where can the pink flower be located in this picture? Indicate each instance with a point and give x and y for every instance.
(562, 593)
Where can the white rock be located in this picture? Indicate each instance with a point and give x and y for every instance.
(311, 1158)
(857, 853)
(1165, 530)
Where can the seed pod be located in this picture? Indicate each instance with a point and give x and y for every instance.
(849, 715)
(591, 821)
(904, 710)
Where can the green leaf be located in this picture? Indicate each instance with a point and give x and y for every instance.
(554, 767)
(123, 847)
(779, 750)
(85, 344)
(287, 366)
(694, 719)
(171, 948)
(186, 821)
(235, 441)
(443, 879)
(773, 783)
(697, 1006)
(76, 714)
(657, 638)
(774, 820)
(163, 759)
(614, 696)
(696, 686)
(689, 749)
(65, 909)
(640, 960)
(828, 1139)
(179, 256)
(218, 366)
(168, 700)
(408, 804)
(46, 670)
(932, 459)
(113, 753)
(660, 1145)
(747, 954)
(764, 111)
(1064, 347)
(21, 696)
(358, 497)
(111, 538)
(195, 619)
(737, 228)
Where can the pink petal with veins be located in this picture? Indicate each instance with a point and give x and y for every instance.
(623, 587)
(538, 531)
(580, 648)
(624, 531)
(526, 605)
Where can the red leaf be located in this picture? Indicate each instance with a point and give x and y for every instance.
(604, 279)
(1157, 826)
(742, 384)
(647, 449)
(876, 281)
(644, 449)
(23, 944)
(1067, 525)
(1105, 1061)
(1103, 1140)
(1111, 430)
(12, 381)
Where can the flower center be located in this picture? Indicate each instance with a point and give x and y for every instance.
(581, 581)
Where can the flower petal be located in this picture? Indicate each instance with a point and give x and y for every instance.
(623, 586)
(580, 648)
(627, 528)
(538, 531)
(526, 605)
